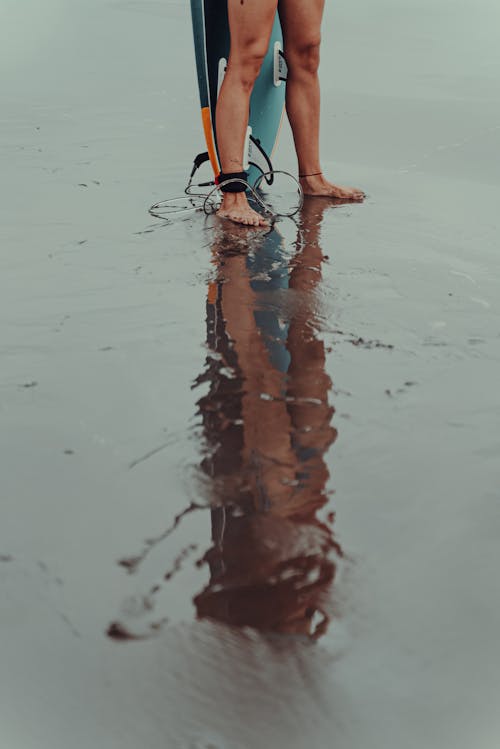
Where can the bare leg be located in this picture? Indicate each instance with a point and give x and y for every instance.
(250, 23)
(301, 22)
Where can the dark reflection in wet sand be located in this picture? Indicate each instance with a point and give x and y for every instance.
(266, 427)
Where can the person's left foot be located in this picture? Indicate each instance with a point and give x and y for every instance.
(235, 207)
(320, 187)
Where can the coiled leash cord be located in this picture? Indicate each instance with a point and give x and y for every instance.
(233, 182)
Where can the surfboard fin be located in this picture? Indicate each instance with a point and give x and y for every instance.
(280, 66)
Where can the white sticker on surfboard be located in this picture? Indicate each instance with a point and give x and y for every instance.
(221, 73)
(246, 149)
(280, 67)
(257, 157)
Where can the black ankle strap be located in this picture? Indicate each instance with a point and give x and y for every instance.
(232, 186)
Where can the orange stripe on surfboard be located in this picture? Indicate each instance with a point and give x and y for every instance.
(209, 137)
(212, 292)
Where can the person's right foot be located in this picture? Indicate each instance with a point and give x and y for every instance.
(315, 185)
(235, 208)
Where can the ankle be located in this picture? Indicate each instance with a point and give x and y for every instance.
(310, 173)
(234, 198)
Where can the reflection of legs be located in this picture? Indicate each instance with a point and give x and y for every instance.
(250, 25)
(301, 22)
(309, 384)
(269, 461)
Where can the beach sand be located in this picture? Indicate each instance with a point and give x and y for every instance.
(356, 491)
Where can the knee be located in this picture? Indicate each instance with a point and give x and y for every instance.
(247, 64)
(304, 56)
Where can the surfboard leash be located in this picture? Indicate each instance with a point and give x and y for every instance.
(234, 182)
(244, 186)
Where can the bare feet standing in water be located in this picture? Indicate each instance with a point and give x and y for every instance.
(235, 207)
(251, 23)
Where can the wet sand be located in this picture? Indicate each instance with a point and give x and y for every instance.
(249, 486)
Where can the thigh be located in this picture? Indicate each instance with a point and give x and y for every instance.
(301, 22)
(250, 24)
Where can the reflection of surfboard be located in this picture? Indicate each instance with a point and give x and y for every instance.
(212, 41)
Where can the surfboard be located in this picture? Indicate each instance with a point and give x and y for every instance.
(212, 44)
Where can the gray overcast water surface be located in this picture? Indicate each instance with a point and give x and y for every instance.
(115, 401)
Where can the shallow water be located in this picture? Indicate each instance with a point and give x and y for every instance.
(249, 487)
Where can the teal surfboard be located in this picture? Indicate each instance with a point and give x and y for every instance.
(212, 44)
